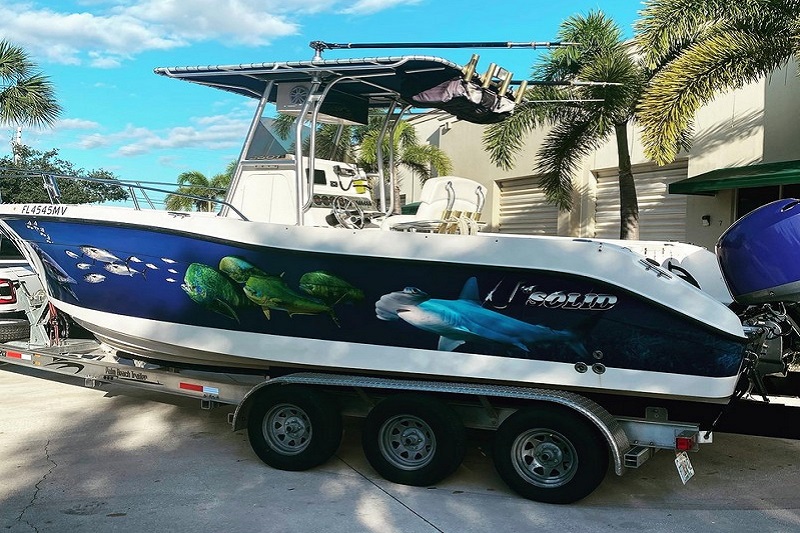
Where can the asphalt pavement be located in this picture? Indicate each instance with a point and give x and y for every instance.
(97, 460)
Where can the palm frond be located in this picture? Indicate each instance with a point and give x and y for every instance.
(504, 140)
(559, 155)
(283, 125)
(29, 101)
(421, 158)
(721, 62)
(14, 62)
(25, 97)
(667, 26)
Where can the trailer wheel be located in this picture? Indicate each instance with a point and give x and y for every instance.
(293, 427)
(550, 454)
(413, 439)
(12, 329)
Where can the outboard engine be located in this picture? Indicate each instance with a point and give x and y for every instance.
(759, 256)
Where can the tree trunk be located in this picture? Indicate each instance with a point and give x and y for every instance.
(628, 203)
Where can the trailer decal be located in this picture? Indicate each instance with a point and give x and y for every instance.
(61, 364)
(126, 373)
(200, 388)
(18, 355)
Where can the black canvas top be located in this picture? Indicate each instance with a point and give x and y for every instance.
(420, 81)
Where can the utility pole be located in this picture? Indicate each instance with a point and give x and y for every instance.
(16, 142)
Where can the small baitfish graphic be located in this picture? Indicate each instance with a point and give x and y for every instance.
(464, 320)
(272, 292)
(83, 266)
(93, 278)
(213, 290)
(121, 269)
(34, 225)
(239, 269)
(329, 288)
(98, 254)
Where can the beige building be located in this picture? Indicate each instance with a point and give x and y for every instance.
(754, 125)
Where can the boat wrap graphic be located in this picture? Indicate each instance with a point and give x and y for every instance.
(443, 307)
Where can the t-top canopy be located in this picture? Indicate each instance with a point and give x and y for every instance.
(420, 81)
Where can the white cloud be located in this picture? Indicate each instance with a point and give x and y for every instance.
(368, 7)
(76, 124)
(66, 37)
(209, 133)
(99, 60)
(246, 22)
(95, 140)
(109, 35)
(168, 161)
(106, 33)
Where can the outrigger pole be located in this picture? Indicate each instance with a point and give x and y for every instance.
(320, 46)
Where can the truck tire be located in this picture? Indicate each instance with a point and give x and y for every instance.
(550, 454)
(292, 427)
(12, 329)
(413, 439)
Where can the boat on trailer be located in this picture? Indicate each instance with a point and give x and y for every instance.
(285, 275)
(308, 273)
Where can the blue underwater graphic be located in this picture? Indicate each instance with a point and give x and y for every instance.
(502, 312)
(466, 320)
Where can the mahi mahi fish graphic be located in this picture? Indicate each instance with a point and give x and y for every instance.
(464, 320)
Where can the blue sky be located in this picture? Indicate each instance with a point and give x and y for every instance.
(121, 117)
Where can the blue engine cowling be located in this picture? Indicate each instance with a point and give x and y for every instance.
(760, 254)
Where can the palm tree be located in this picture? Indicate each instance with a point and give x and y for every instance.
(26, 97)
(331, 143)
(196, 191)
(580, 117)
(699, 48)
(418, 158)
(359, 145)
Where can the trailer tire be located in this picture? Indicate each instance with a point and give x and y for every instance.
(550, 454)
(292, 427)
(12, 329)
(413, 439)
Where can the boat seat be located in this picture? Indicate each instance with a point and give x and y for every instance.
(448, 204)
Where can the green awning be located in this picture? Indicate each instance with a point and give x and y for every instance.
(709, 183)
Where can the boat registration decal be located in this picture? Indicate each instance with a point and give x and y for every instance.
(46, 209)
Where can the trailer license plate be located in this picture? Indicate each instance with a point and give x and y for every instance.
(685, 469)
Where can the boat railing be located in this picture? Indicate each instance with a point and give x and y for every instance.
(137, 190)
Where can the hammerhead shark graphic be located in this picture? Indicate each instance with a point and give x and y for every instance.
(464, 320)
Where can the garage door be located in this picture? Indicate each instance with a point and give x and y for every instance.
(662, 216)
(523, 208)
